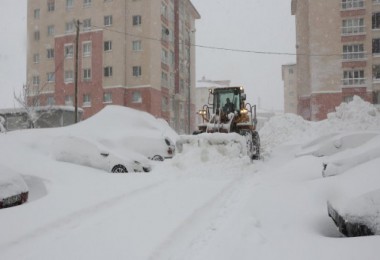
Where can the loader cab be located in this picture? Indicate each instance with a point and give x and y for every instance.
(221, 97)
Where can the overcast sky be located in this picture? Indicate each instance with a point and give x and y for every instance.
(252, 25)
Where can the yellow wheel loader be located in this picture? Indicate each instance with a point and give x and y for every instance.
(228, 115)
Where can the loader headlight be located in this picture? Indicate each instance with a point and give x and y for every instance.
(243, 111)
(202, 112)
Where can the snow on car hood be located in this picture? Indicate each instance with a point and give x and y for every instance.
(11, 183)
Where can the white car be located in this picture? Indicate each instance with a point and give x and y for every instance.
(86, 152)
(154, 148)
(13, 189)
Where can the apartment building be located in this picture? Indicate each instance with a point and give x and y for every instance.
(289, 76)
(338, 53)
(135, 53)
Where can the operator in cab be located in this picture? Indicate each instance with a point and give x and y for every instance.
(228, 107)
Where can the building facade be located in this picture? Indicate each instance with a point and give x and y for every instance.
(289, 76)
(135, 53)
(338, 53)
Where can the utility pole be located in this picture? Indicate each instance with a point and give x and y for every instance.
(77, 23)
(189, 97)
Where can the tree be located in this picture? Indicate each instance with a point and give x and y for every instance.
(30, 103)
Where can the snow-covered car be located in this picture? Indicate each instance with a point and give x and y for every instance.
(119, 127)
(89, 153)
(358, 216)
(350, 158)
(13, 189)
(154, 148)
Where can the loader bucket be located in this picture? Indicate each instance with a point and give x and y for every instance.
(230, 141)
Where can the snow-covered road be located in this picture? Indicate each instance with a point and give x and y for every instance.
(205, 203)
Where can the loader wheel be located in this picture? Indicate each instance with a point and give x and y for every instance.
(256, 144)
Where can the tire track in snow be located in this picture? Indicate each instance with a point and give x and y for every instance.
(206, 219)
(79, 215)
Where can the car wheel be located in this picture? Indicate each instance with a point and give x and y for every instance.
(157, 158)
(119, 169)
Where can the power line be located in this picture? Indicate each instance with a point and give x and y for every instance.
(225, 48)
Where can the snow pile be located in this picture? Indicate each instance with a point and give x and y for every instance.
(118, 121)
(357, 115)
(283, 128)
(353, 116)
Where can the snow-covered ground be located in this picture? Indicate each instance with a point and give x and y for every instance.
(205, 203)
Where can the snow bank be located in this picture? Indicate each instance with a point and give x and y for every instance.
(357, 115)
(282, 129)
(353, 116)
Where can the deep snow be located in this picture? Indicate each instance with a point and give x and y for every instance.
(202, 204)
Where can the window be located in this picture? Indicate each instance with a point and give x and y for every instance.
(87, 46)
(36, 80)
(69, 50)
(136, 97)
(50, 77)
(376, 46)
(51, 5)
(164, 104)
(50, 30)
(36, 13)
(50, 101)
(164, 56)
(69, 27)
(69, 4)
(50, 53)
(352, 4)
(108, 71)
(136, 20)
(164, 10)
(36, 35)
(376, 21)
(107, 46)
(86, 74)
(69, 76)
(136, 46)
(348, 99)
(86, 100)
(36, 58)
(353, 26)
(107, 97)
(171, 57)
(164, 79)
(376, 72)
(376, 97)
(86, 3)
(86, 24)
(353, 77)
(353, 52)
(108, 20)
(136, 71)
(165, 33)
(69, 100)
